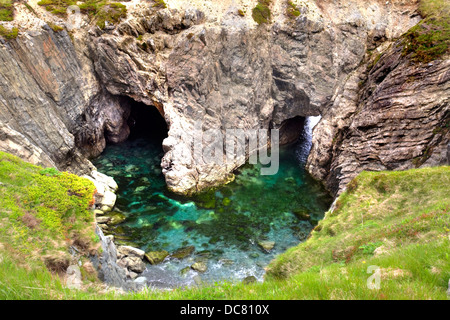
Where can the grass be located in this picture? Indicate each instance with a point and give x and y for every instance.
(291, 10)
(397, 223)
(43, 212)
(102, 11)
(261, 12)
(6, 10)
(430, 39)
(8, 34)
(160, 4)
(55, 27)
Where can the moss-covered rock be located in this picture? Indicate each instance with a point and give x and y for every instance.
(156, 257)
(183, 252)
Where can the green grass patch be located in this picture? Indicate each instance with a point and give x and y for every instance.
(430, 39)
(103, 12)
(8, 34)
(6, 10)
(57, 7)
(160, 4)
(43, 211)
(261, 12)
(291, 10)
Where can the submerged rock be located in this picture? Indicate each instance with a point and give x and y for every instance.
(183, 252)
(185, 270)
(302, 214)
(115, 218)
(226, 262)
(156, 257)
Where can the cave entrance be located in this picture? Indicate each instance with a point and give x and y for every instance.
(146, 122)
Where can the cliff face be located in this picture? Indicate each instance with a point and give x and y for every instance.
(391, 114)
(51, 104)
(202, 61)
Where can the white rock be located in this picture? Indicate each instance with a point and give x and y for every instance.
(131, 252)
(73, 277)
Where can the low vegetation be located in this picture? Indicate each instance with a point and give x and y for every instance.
(43, 212)
(160, 4)
(102, 11)
(8, 33)
(291, 10)
(430, 39)
(6, 10)
(261, 12)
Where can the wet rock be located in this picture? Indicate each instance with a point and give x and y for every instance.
(249, 279)
(185, 270)
(131, 168)
(226, 262)
(115, 218)
(199, 266)
(205, 254)
(140, 189)
(266, 245)
(156, 257)
(183, 252)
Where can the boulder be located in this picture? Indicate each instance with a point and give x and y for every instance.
(129, 251)
(183, 252)
(115, 218)
(199, 266)
(266, 245)
(156, 257)
(134, 264)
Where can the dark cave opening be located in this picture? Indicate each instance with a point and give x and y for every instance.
(291, 130)
(146, 122)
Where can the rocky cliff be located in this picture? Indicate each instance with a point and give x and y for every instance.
(63, 92)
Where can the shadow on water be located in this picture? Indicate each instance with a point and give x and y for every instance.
(228, 227)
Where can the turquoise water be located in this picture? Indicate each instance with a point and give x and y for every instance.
(225, 226)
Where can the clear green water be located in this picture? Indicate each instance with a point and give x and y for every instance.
(225, 225)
